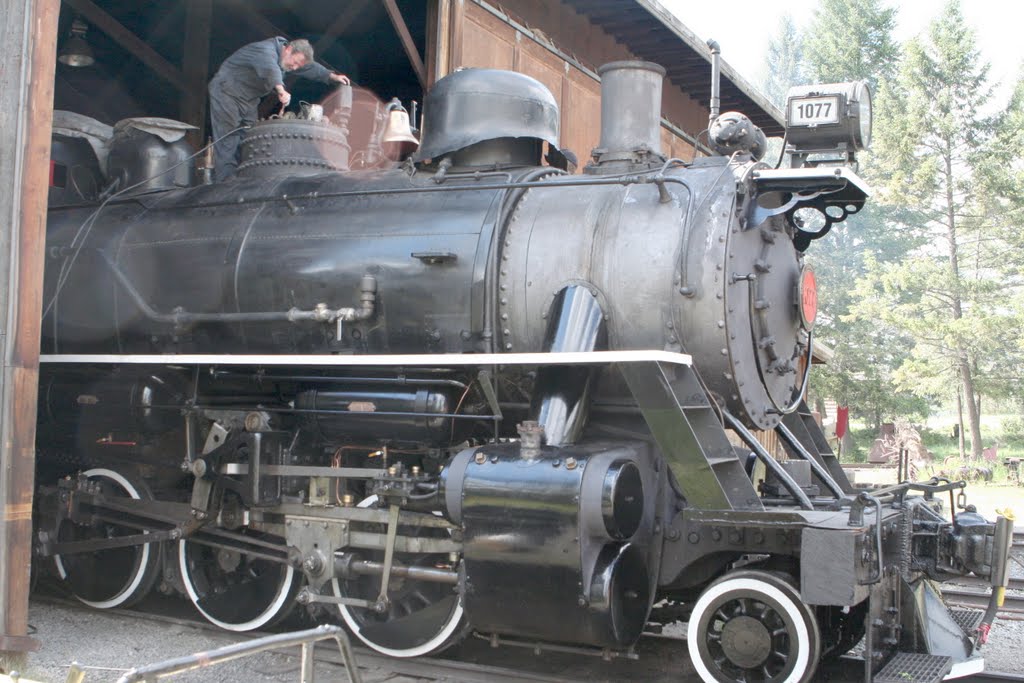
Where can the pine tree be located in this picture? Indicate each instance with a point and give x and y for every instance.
(1002, 167)
(785, 63)
(1001, 193)
(943, 294)
(851, 40)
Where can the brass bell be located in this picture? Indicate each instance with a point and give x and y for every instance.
(398, 128)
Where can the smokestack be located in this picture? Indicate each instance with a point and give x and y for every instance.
(630, 111)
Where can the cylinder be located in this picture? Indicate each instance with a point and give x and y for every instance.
(536, 547)
(630, 107)
(406, 416)
(92, 405)
(619, 593)
(622, 500)
(612, 501)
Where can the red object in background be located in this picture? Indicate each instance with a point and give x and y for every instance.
(842, 420)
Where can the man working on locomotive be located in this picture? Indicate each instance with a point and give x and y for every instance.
(251, 72)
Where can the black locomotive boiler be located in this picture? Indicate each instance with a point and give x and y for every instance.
(474, 393)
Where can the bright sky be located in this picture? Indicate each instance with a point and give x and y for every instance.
(743, 28)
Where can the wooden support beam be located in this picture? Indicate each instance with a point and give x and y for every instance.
(458, 24)
(407, 42)
(29, 31)
(129, 41)
(257, 21)
(196, 66)
(438, 40)
(353, 10)
(265, 27)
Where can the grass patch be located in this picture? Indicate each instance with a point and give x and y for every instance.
(860, 441)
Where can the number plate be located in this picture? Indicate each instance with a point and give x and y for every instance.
(813, 111)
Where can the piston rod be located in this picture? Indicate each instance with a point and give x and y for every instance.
(345, 568)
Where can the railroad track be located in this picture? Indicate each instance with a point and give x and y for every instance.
(1013, 607)
(993, 677)
(975, 582)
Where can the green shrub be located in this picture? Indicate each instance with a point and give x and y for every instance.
(1013, 431)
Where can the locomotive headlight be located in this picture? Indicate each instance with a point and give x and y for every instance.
(833, 117)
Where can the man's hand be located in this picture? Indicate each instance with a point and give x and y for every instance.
(340, 78)
(283, 96)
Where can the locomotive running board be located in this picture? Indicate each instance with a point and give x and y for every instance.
(381, 360)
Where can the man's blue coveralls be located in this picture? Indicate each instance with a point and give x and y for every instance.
(235, 91)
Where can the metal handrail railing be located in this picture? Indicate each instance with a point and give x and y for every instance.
(307, 639)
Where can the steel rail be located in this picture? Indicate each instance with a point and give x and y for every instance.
(1012, 609)
(1014, 584)
(992, 677)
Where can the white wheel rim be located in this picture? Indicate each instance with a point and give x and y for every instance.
(127, 593)
(260, 620)
(426, 648)
(784, 602)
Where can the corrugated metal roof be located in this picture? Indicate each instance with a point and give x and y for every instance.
(653, 33)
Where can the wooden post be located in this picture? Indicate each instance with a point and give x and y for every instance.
(457, 25)
(439, 40)
(29, 32)
(195, 65)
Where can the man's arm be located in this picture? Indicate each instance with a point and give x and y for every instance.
(318, 72)
(267, 64)
(283, 96)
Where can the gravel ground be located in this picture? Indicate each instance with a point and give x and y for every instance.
(1003, 651)
(107, 645)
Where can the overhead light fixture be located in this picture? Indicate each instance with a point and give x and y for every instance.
(76, 51)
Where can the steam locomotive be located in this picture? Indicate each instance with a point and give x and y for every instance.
(471, 392)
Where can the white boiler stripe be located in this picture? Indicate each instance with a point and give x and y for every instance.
(384, 360)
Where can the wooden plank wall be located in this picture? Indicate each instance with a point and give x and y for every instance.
(478, 38)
